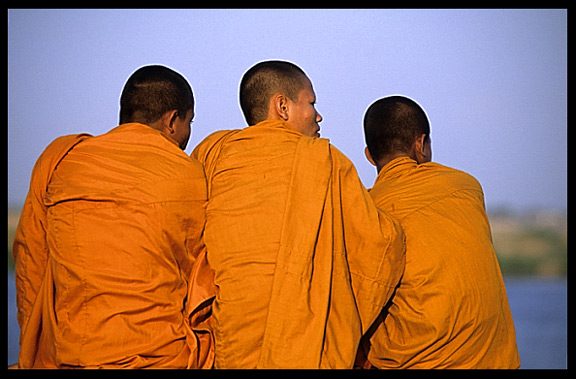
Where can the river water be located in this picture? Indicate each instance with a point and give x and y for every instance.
(539, 308)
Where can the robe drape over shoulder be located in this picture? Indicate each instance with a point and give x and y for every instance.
(303, 260)
(451, 308)
(107, 240)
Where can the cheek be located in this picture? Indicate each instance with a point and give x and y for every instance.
(185, 134)
(311, 115)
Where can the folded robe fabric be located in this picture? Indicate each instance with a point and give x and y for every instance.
(451, 308)
(105, 246)
(303, 260)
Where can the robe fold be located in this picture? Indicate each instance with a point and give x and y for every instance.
(104, 250)
(450, 309)
(302, 258)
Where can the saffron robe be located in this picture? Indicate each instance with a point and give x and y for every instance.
(105, 246)
(303, 260)
(450, 309)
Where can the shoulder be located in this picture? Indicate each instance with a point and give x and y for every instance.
(59, 147)
(217, 136)
(422, 186)
(339, 157)
(64, 143)
(323, 147)
(209, 145)
(450, 178)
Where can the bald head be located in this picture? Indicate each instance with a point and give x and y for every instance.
(391, 126)
(264, 80)
(160, 98)
(151, 91)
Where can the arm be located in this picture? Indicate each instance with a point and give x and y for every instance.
(30, 248)
(374, 242)
(30, 255)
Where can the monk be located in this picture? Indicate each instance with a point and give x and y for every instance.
(109, 234)
(302, 258)
(450, 309)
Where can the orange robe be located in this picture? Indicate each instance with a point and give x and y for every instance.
(106, 243)
(451, 308)
(303, 259)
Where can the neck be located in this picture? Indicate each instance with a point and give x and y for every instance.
(389, 158)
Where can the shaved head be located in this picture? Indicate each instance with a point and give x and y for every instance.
(264, 80)
(151, 91)
(391, 124)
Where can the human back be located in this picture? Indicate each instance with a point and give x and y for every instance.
(248, 198)
(126, 258)
(452, 292)
(108, 237)
(450, 309)
(284, 236)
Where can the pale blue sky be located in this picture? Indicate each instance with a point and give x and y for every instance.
(493, 82)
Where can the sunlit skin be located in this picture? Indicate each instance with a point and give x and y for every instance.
(301, 114)
(420, 151)
(174, 127)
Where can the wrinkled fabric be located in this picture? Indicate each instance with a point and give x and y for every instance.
(200, 324)
(106, 243)
(302, 258)
(451, 308)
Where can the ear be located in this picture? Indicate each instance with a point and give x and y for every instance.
(279, 107)
(171, 117)
(369, 156)
(420, 149)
